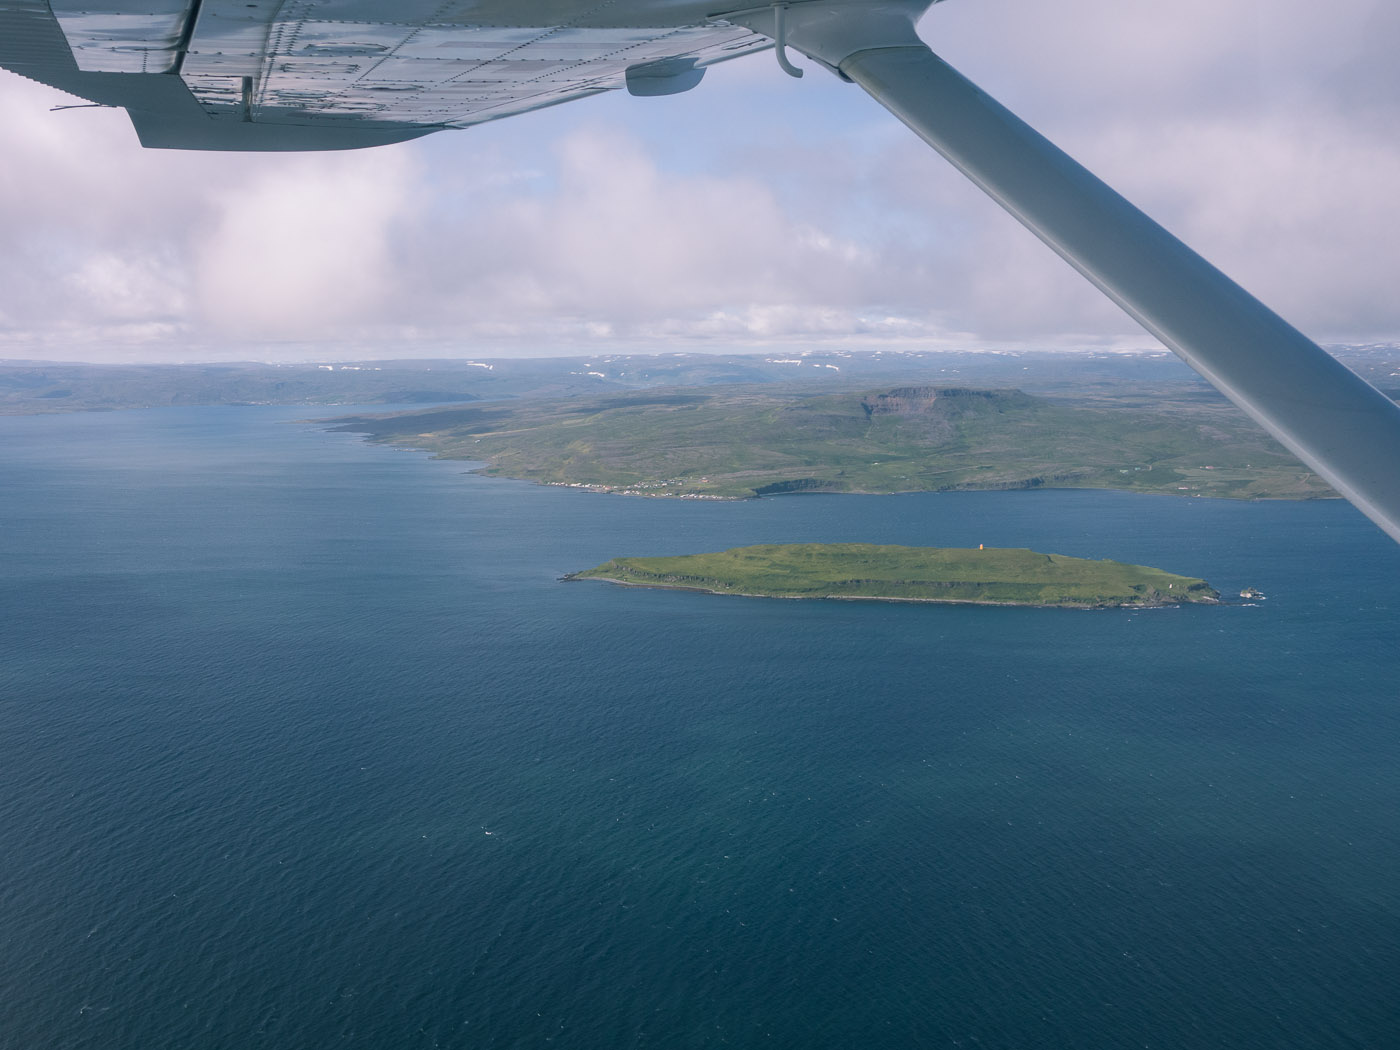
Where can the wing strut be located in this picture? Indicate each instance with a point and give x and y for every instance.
(1325, 414)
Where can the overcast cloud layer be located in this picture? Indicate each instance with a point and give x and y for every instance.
(754, 211)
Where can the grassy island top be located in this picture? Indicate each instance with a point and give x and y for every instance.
(1000, 576)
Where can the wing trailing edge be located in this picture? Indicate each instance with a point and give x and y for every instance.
(342, 74)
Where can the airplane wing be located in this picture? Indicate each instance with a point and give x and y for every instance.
(341, 74)
(338, 74)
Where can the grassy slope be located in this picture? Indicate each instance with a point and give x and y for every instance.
(809, 570)
(737, 441)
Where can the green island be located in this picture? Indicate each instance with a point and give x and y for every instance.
(992, 576)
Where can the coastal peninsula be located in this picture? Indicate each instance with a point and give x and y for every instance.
(987, 576)
(733, 442)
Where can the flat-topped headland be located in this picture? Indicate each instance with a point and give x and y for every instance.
(989, 576)
(745, 441)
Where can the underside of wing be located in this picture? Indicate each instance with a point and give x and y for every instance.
(336, 74)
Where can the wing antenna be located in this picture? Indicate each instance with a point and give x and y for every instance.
(780, 41)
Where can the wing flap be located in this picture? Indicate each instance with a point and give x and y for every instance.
(108, 36)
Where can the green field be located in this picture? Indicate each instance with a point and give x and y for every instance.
(1002, 576)
(737, 442)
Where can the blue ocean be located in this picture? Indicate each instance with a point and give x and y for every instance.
(303, 743)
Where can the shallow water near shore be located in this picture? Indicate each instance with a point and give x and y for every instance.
(304, 743)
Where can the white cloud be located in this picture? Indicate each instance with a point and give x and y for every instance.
(302, 247)
(1302, 217)
(126, 287)
(619, 240)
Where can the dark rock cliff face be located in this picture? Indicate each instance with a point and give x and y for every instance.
(945, 402)
(778, 488)
(903, 401)
(934, 414)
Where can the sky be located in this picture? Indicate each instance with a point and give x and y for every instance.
(756, 212)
